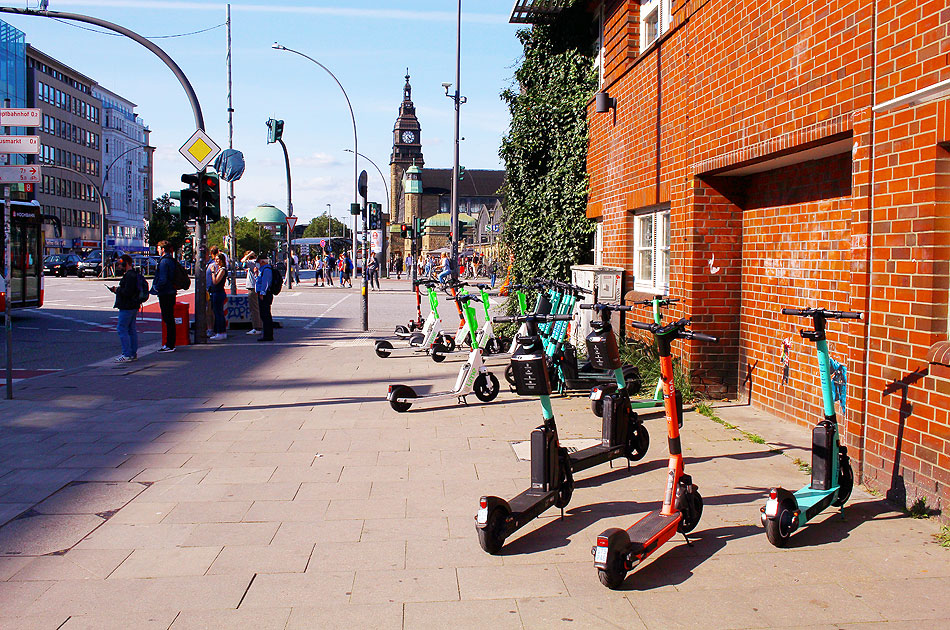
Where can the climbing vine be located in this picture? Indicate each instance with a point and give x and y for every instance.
(545, 150)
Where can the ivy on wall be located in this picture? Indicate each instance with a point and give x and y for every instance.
(545, 150)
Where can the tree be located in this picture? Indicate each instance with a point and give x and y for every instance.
(545, 150)
(250, 236)
(165, 226)
(318, 228)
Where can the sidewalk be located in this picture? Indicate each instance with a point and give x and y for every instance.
(240, 486)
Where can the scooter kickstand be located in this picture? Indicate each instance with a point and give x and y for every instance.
(462, 400)
(689, 543)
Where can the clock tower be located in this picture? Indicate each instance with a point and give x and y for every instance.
(407, 150)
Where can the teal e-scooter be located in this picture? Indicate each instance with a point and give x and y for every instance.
(831, 476)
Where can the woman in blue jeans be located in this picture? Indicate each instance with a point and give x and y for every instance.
(218, 277)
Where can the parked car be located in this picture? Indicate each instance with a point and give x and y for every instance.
(62, 264)
(92, 263)
(146, 264)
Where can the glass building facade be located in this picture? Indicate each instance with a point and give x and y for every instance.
(13, 74)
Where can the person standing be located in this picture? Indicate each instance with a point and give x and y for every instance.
(127, 300)
(346, 270)
(250, 282)
(265, 277)
(329, 269)
(373, 273)
(218, 297)
(295, 265)
(210, 268)
(398, 267)
(318, 271)
(164, 287)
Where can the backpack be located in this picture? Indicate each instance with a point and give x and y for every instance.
(276, 282)
(142, 285)
(181, 280)
(349, 266)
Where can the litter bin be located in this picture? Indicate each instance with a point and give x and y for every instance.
(182, 334)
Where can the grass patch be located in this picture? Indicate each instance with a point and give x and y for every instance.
(646, 358)
(803, 466)
(919, 509)
(943, 537)
(709, 412)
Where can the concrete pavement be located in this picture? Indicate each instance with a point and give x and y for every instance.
(246, 485)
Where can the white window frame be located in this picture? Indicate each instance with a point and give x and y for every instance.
(601, 47)
(658, 223)
(663, 10)
(599, 243)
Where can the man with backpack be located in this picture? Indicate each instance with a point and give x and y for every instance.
(268, 285)
(168, 280)
(131, 293)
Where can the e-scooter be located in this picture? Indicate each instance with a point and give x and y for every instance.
(620, 550)
(420, 342)
(473, 378)
(485, 337)
(831, 476)
(641, 403)
(418, 322)
(552, 467)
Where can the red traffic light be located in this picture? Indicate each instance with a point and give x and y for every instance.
(209, 182)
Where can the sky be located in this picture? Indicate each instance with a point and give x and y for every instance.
(367, 44)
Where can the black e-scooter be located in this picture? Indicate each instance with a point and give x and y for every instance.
(552, 467)
(620, 550)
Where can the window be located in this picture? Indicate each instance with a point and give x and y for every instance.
(652, 251)
(654, 21)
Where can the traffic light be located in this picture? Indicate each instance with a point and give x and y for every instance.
(210, 195)
(189, 248)
(462, 230)
(275, 129)
(461, 173)
(375, 216)
(420, 227)
(404, 230)
(189, 197)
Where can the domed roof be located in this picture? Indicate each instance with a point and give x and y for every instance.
(444, 219)
(266, 213)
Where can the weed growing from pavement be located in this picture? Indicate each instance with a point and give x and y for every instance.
(943, 537)
(919, 508)
(803, 466)
(708, 411)
(643, 355)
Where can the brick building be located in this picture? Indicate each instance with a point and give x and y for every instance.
(764, 153)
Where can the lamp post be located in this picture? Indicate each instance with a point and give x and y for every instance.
(277, 46)
(459, 100)
(384, 253)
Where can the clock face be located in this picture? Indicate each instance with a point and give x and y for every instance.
(408, 137)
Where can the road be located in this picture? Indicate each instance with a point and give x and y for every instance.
(76, 325)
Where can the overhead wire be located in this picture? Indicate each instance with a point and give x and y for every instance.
(95, 30)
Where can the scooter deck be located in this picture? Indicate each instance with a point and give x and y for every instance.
(651, 531)
(594, 456)
(813, 502)
(529, 504)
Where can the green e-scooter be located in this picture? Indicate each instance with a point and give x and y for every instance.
(831, 476)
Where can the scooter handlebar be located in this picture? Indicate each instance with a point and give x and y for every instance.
(663, 302)
(827, 314)
(701, 337)
(598, 306)
(504, 319)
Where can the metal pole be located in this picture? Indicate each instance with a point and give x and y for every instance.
(290, 209)
(364, 297)
(455, 165)
(8, 277)
(233, 248)
(356, 197)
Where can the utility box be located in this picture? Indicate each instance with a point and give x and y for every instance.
(606, 285)
(182, 316)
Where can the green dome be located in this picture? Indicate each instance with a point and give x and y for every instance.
(267, 214)
(444, 219)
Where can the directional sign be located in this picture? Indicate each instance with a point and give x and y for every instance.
(20, 117)
(291, 223)
(200, 150)
(29, 145)
(19, 174)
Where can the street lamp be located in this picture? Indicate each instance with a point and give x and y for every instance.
(277, 46)
(459, 100)
(103, 209)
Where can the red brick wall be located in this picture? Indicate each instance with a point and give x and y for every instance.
(734, 83)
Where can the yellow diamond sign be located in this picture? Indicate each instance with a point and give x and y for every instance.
(200, 150)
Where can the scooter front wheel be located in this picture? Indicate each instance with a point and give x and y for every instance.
(486, 387)
(383, 348)
(692, 512)
(438, 352)
(491, 537)
(449, 343)
(510, 375)
(565, 489)
(779, 529)
(639, 444)
(401, 391)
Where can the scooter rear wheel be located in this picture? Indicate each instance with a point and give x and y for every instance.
(510, 375)
(485, 387)
(491, 538)
(383, 348)
(438, 352)
(613, 576)
(402, 329)
(639, 444)
(632, 378)
(597, 407)
(779, 529)
(401, 391)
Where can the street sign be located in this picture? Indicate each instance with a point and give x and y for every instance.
(376, 241)
(29, 145)
(19, 174)
(323, 244)
(199, 150)
(291, 223)
(20, 117)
